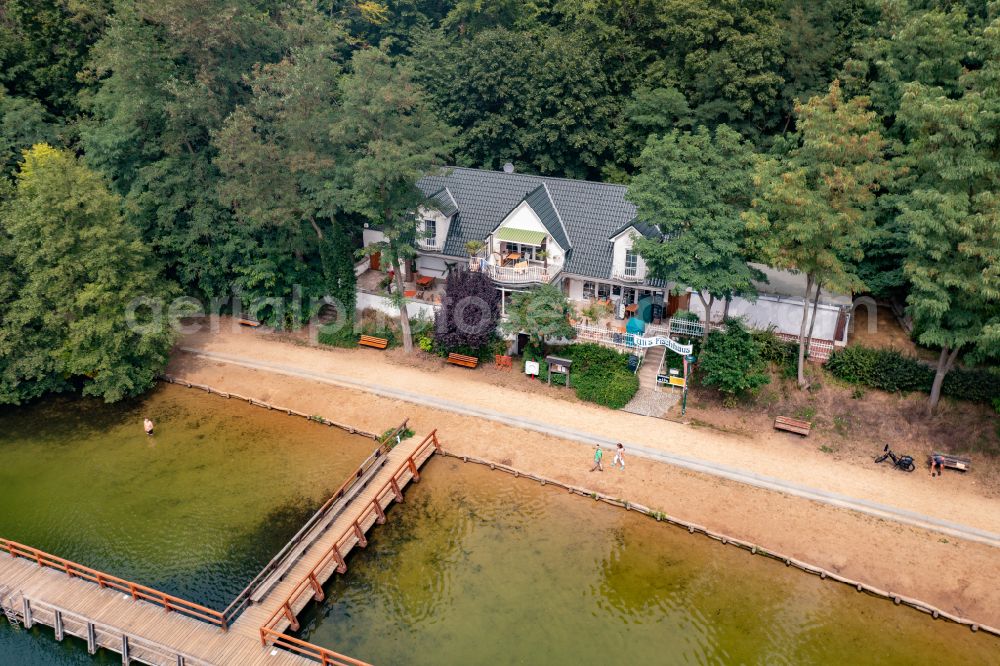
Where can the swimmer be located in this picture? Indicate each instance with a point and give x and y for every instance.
(147, 425)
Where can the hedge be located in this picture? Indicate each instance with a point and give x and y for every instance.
(598, 374)
(889, 370)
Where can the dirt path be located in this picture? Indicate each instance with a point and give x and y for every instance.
(956, 575)
(952, 497)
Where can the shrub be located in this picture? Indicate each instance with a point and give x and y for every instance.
(732, 362)
(996, 405)
(889, 370)
(425, 344)
(686, 315)
(469, 316)
(600, 375)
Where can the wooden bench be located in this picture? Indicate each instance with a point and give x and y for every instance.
(792, 425)
(463, 360)
(377, 343)
(245, 321)
(952, 462)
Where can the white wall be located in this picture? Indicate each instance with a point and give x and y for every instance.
(784, 313)
(443, 223)
(384, 304)
(432, 265)
(575, 289)
(369, 236)
(623, 243)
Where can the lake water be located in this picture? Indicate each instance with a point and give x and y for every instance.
(480, 568)
(195, 511)
(474, 568)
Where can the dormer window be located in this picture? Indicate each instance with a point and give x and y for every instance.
(430, 231)
(631, 262)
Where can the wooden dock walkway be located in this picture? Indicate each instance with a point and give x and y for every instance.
(151, 627)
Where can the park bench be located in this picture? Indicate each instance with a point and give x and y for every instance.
(952, 462)
(463, 360)
(792, 425)
(246, 321)
(370, 341)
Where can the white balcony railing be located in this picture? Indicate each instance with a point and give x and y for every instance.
(637, 274)
(430, 244)
(532, 274)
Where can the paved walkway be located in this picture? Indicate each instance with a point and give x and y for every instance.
(868, 507)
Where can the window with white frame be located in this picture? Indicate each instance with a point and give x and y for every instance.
(588, 290)
(604, 290)
(430, 232)
(631, 262)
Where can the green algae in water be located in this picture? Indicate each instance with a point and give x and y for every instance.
(479, 568)
(196, 510)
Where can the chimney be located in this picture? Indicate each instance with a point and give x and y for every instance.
(508, 168)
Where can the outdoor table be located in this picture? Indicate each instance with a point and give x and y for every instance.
(512, 257)
(632, 309)
(425, 281)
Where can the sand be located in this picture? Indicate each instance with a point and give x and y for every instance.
(958, 576)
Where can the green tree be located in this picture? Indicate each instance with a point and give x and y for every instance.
(77, 268)
(951, 212)
(543, 313)
(279, 163)
(731, 361)
(23, 123)
(534, 98)
(813, 208)
(693, 187)
(388, 139)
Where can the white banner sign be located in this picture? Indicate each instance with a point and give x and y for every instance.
(669, 343)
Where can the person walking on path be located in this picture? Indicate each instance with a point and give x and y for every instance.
(598, 455)
(619, 457)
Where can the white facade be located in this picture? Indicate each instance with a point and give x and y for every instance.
(441, 223)
(620, 268)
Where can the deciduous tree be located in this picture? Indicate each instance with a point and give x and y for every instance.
(388, 138)
(813, 208)
(543, 313)
(693, 187)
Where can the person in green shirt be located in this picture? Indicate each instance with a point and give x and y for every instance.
(598, 454)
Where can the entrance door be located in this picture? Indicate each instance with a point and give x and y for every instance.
(374, 260)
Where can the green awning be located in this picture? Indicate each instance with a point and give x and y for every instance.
(522, 236)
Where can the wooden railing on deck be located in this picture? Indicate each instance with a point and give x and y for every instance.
(324, 656)
(139, 592)
(312, 584)
(242, 600)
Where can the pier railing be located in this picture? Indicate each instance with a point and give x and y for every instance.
(377, 457)
(138, 592)
(334, 557)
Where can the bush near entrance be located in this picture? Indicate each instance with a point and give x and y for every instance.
(731, 361)
(889, 370)
(599, 375)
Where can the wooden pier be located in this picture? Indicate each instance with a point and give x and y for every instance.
(147, 626)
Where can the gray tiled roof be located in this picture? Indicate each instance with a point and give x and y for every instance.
(647, 230)
(590, 212)
(444, 202)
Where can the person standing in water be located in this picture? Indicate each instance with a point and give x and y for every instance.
(598, 454)
(619, 457)
(147, 425)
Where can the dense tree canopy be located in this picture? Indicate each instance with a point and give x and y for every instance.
(72, 267)
(246, 165)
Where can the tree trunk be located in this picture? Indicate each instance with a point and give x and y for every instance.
(945, 362)
(802, 332)
(708, 314)
(812, 322)
(725, 312)
(404, 317)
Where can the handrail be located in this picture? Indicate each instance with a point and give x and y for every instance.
(134, 640)
(326, 657)
(627, 275)
(311, 581)
(532, 273)
(242, 600)
(138, 592)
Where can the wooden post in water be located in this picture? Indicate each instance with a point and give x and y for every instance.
(318, 594)
(341, 564)
(360, 535)
(91, 638)
(27, 614)
(378, 509)
(58, 625)
(413, 469)
(395, 489)
(125, 657)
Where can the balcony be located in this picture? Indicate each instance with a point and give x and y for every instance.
(430, 244)
(531, 274)
(637, 274)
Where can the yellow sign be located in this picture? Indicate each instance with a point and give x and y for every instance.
(677, 381)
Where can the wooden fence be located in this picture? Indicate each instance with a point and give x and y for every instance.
(311, 584)
(138, 592)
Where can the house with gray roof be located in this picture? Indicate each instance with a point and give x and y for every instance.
(535, 230)
(579, 235)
